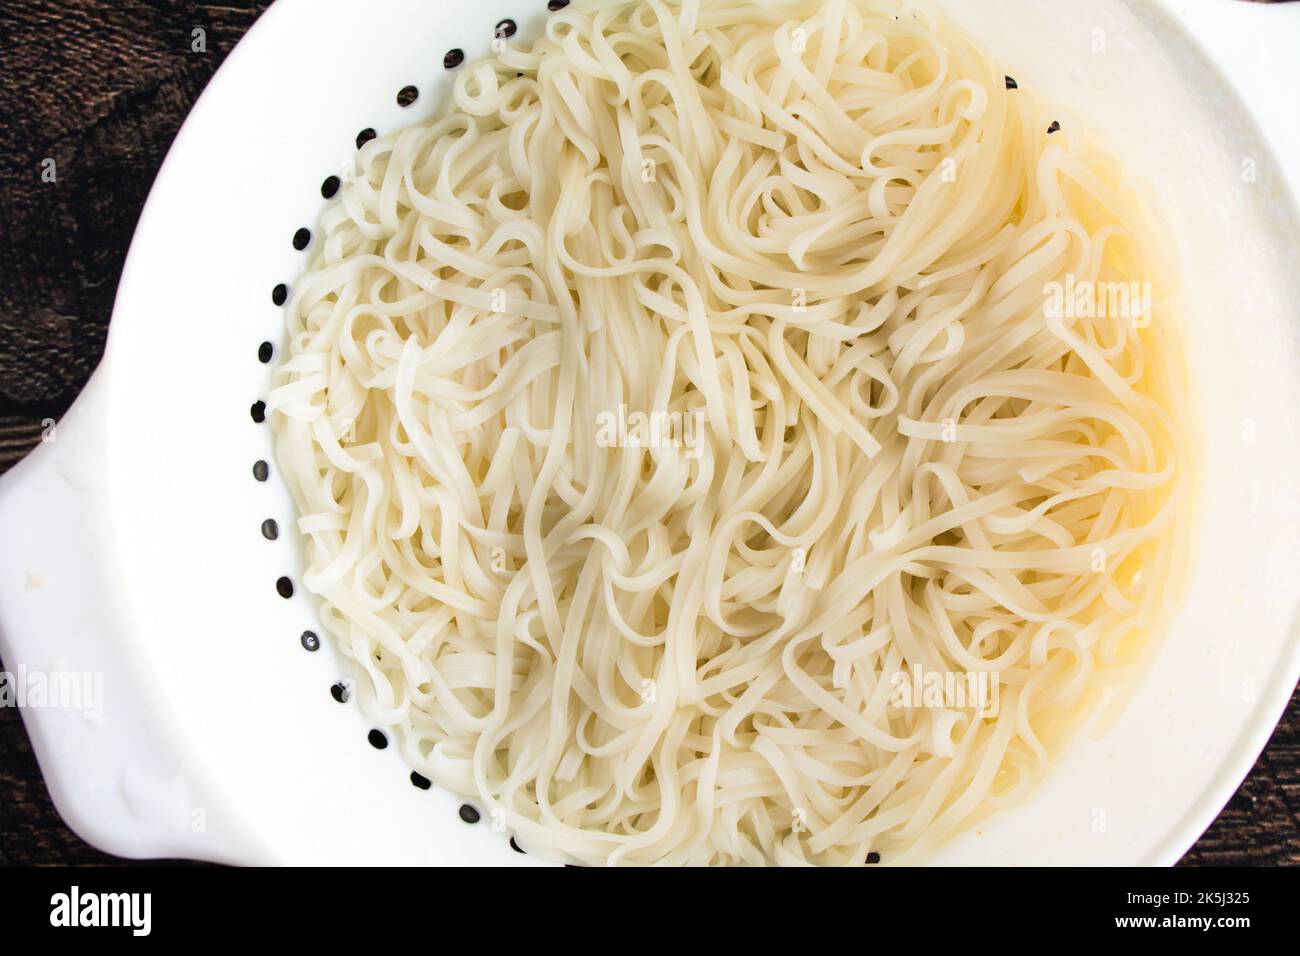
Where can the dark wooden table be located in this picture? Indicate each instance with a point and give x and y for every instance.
(101, 87)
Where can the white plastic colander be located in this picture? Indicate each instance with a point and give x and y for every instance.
(136, 543)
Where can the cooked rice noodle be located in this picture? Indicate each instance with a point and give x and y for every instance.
(689, 387)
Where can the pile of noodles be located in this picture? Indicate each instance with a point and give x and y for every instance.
(814, 242)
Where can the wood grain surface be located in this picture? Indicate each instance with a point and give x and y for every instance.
(101, 87)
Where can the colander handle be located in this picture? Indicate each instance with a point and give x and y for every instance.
(1254, 45)
(97, 723)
